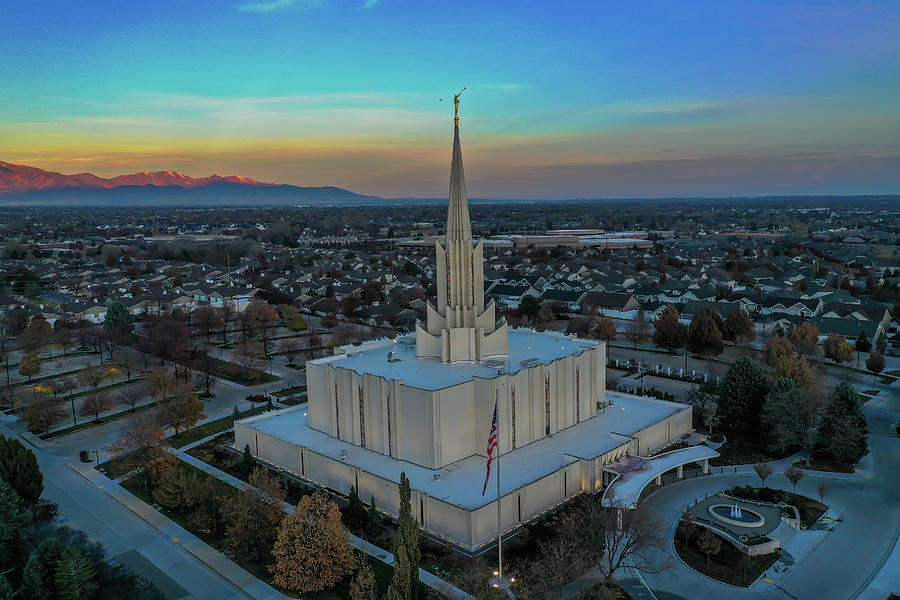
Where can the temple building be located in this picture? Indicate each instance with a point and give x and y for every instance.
(423, 404)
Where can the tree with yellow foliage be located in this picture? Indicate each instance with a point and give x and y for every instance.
(312, 552)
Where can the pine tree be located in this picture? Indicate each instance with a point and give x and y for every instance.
(741, 395)
(408, 535)
(11, 522)
(48, 553)
(75, 577)
(19, 467)
(246, 460)
(399, 588)
(312, 552)
(789, 418)
(6, 591)
(356, 511)
(843, 433)
(363, 586)
(704, 334)
(373, 519)
(33, 587)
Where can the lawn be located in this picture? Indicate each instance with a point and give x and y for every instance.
(729, 565)
(830, 466)
(207, 429)
(291, 391)
(237, 374)
(86, 424)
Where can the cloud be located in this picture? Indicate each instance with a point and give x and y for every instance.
(267, 6)
(370, 4)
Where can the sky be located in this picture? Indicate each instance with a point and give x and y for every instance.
(563, 99)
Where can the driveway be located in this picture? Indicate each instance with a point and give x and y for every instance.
(836, 565)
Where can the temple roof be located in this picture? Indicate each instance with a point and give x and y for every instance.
(526, 348)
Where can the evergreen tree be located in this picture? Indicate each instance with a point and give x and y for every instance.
(75, 577)
(373, 519)
(363, 586)
(399, 588)
(11, 522)
(356, 511)
(49, 552)
(704, 334)
(843, 433)
(246, 460)
(6, 591)
(118, 319)
(862, 342)
(408, 536)
(19, 467)
(742, 395)
(33, 587)
(789, 418)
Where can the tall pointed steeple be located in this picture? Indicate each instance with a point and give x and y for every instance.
(459, 227)
(460, 327)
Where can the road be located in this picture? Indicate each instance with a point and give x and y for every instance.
(83, 506)
(837, 565)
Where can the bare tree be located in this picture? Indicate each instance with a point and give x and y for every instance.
(95, 403)
(142, 448)
(248, 355)
(823, 490)
(637, 328)
(558, 562)
(763, 470)
(291, 349)
(709, 544)
(619, 538)
(794, 475)
(132, 394)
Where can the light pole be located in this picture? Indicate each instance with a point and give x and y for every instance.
(97, 454)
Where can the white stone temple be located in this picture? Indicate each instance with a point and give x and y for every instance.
(423, 404)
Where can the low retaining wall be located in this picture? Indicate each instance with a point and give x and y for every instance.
(792, 521)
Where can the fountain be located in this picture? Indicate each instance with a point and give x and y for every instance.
(736, 515)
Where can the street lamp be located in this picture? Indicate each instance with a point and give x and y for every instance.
(97, 454)
(500, 582)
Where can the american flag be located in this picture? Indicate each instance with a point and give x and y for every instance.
(491, 446)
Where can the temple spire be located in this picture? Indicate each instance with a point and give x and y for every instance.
(459, 327)
(458, 225)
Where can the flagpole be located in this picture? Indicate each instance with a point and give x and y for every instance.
(499, 530)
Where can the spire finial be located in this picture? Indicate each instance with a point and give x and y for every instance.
(456, 107)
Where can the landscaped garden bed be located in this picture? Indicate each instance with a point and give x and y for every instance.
(207, 429)
(383, 571)
(728, 565)
(810, 510)
(743, 449)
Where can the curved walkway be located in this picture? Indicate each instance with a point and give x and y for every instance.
(824, 569)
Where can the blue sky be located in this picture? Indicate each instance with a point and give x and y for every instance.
(575, 99)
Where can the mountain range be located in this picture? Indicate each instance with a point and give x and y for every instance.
(24, 185)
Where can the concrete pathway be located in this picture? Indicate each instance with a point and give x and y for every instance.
(86, 506)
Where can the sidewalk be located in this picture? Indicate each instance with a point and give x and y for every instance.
(249, 585)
